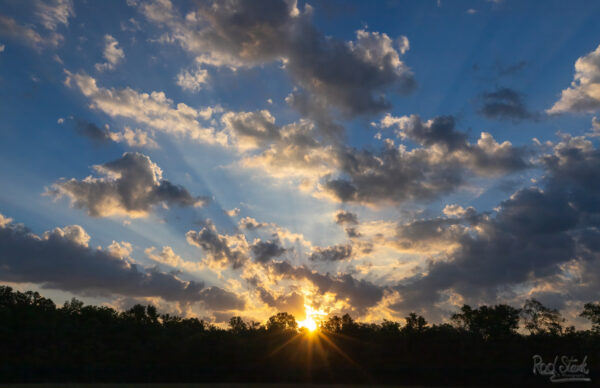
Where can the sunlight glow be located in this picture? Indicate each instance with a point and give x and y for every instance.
(312, 316)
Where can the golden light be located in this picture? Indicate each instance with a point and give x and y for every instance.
(310, 323)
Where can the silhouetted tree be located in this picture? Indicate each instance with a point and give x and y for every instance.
(390, 326)
(282, 322)
(489, 322)
(591, 311)
(333, 324)
(415, 323)
(42, 343)
(237, 325)
(539, 319)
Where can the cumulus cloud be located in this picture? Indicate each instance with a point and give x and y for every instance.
(584, 93)
(349, 76)
(264, 251)
(296, 153)
(343, 217)
(168, 257)
(61, 259)
(112, 53)
(223, 250)
(395, 175)
(537, 236)
(292, 303)
(332, 253)
(133, 138)
(130, 186)
(359, 295)
(193, 80)
(154, 110)
(251, 129)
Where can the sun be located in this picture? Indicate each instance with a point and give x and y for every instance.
(310, 323)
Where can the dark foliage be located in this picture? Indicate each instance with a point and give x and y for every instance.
(77, 343)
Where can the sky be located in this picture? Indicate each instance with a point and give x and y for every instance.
(324, 157)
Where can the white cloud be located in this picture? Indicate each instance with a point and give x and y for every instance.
(133, 138)
(584, 93)
(192, 81)
(52, 13)
(154, 109)
(112, 54)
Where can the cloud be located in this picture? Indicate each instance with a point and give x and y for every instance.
(223, 250)
(53, 13)
(504, 104)
(395, 175)
(251, 129)
(584, 93)
(11, 29)
(358, 294)
(61, 259)
(343, 217)
(154, 110)
(292, 303)
(169, 257)
(133, 138)
(297, 153)
(130, 186)
(264, 251)
(192, 81)
(332, 253)
(349, 76)
(113, 54)
(92, 131)
(537, 236)
(233, 212)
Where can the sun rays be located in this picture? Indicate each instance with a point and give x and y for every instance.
(312, 320)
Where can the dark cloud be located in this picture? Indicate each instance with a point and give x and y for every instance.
(353, 233)
(332, 253)
(292, 303)
(61, 259)
(92, 131)
(216, 298)
(395, 175)
(348, 76)
(220, 248)
(131, 186)
(360, 294)
(504, 104)
(437, 131)
(252, 129)
(343, 217)
(534, 234)
(264, 251)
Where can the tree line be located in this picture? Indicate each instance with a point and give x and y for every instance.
(40, 342)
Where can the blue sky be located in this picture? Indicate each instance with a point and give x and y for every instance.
(393, 156)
